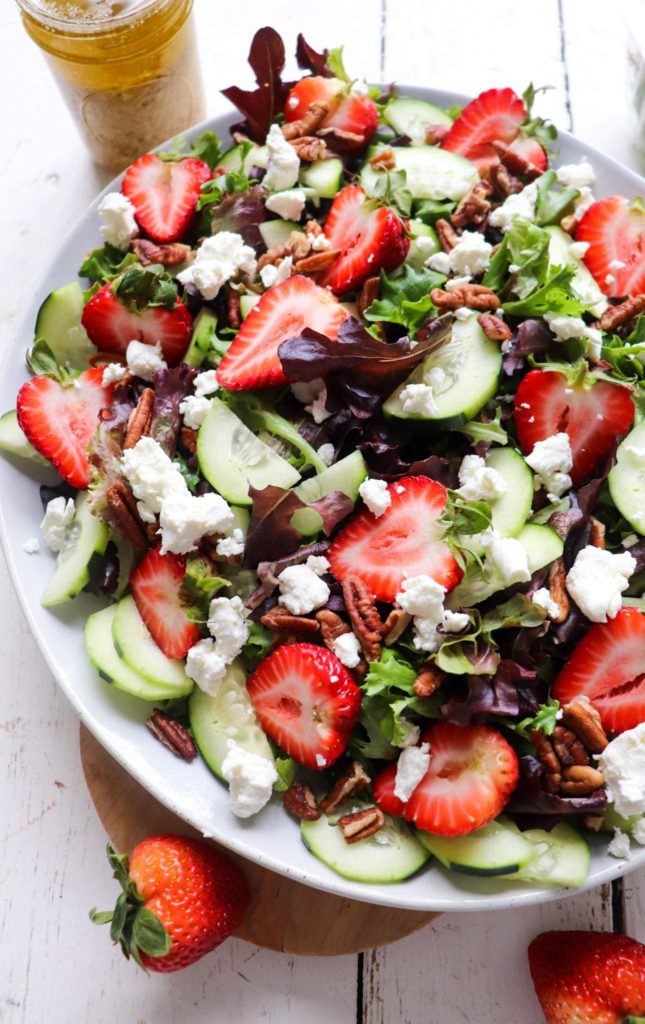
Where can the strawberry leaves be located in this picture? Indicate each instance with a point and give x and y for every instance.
(260, 106)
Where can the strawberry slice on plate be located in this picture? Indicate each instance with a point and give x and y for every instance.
(614, 227)
(59, 420)
(494, 115)
(404, 541)
(164, 194)
(111, 325)
(588, 977)
(546, 403)
(370, 240)
(531, 150)
(471, 776)
(608, 667)
(307, 702)
(155, 587)
(357, 115)
(282, 312)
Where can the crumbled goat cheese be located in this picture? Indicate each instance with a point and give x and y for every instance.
(578, 249)
(411, 768)
(283, 162)
(205, 383)
(113, 373)
(518, 205)
(219, 258)
(422, 596)
(425, 245)
(418, 399)
(506, 557)
(347, 649)
(619, 846)
(597, 579)
(576, 175)
(250, 780)
(288, 204)
(457, 282)
(440, 262)
(318, 564)
(583, 202)
(59, 514)
(479, 482)
(306, 392)
(623, 764)
(31, 546)
(185, 518)
(376, 496)
(454, 622)
(227, 625)
(271, 274)
(145, 360)
(542, 598)
(152, 476)
(426, 635)
(302, 590)
(552, 460)
(119, 225)
(194, 409)
(206, 666)
(471, 255)
(566, 327)
(638, 832)
(326, 452)
(318, 410)
(318, 243)
(228, 547)
(464, 313)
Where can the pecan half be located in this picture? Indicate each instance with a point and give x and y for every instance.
(429, 679)
(123, 514)
(515, 162)
(308, 124)
(617, 316)
(436, 133)
(597, 535)
(368, 294)
(395, 626)
(354, 779)
(548, 757)
(310, 148)
(558, 589)
(494, 328)
(169, 255)
(300, 801)
(503, 182)
(365, 619)
(340, 139)
(317, 262)
(568, 748)
(331, 626)
(581, 780)
(474, 208)
(290, 627)
(473, 296)
(174, 736)
(188, 438)
(446, 234)
(383, 161)
(312, 227)
(139, 420)
(361, 824)
(582, 718)
(233, 313)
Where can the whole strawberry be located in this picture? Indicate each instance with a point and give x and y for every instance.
(589, 977)
(181, 898)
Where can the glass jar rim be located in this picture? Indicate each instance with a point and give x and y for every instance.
(35, 10)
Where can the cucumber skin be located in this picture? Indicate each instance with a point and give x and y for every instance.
(60, 312)
(14, 442)
(203, 332)
(621, 480)
(126, 610)
(478, 845)
(53, 595)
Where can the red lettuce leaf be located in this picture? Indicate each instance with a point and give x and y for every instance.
(241, 214)
(271, 535)
(260, 106)
(310, 60)
(171, 386)
(530, 798)
(507, 694)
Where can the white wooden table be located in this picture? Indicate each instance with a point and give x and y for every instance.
(55, 966)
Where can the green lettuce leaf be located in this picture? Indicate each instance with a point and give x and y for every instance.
(104, 264)
(405, 297)
(555, 295)
(198, 587)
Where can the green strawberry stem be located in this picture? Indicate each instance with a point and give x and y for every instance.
(136, 929)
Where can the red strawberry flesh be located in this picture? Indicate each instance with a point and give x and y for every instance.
(615, 231)
(111, 326)
(164, 194)
(155, 587)
(354, 114)
(494, 115)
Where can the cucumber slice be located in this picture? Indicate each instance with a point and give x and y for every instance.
(583, 284)
(86, 536)
(247, 302)
(134, 644)
(59, 324)
(277, 232)
(391, 855)
(14, 442)
(471, 364)
(413, 117)
(227, 716)
(510, 512)
(627, 478)
(423, 243)
(325, 177)
(492, 850)
(232, 159)
(104, 658)
(431, 173)
(346, 476)
(202, 338)
(562, 857)
(231, 457)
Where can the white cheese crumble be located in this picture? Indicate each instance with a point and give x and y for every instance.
(457, 282)
(326, 452)
(306, 391)
(506, 556)
(227, 625)
(623, 765)
(464, 313)
(283, 162)
(422, 597)
(318, 243)
(318, 409)
(619, 846)
(302, 590)
(194, 409)
(206, 666)
(376, 496)
(440, 262)
(288, 204)
(113, 373)
(119, 225)
(152, 475)
(579, 249)
(576, 175)
(205, 383)
(518, 205)
(411, 768)
(638, 832)
(228, 547)
(542, 598)
(185, 518)
(583, 202)
(31, 546)
(145, 361)
(59, 514)
(347, 649)
(318, 564)
(271, 274)
(219, 259)
(454, 622)
(552, 460)
(419, 399)
(250, 780)
(566, 327)
(597, 579)
(471, 255)
(479, 482)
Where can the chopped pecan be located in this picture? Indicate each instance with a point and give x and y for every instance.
(580, 780)
(300, 801)
(582, 718)
(436, 133)
(504, 183)
(446, 234)
(395, 626)
(515, 162)
(473, 296)
(494, 328)
(233, 313)
(548, 757)
(317, 262)
(312, 227)
(105, 358)
(299, 245)
(368, 294)
(383, 161)
(558, 589)
(172, 734)
(340, 139)
(139, 420)
(188, 438)
(308, 124)
(474, 208)
(361, 824)
(169, 255)
(354, 779)
(597, 535)
(310, 148)
(365, 619)
(290, 627)
(123, 514)
(331, 626)
(568, 748)
(429, 679)
(617, 316)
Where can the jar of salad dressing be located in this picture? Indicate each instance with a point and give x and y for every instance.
(128, 69)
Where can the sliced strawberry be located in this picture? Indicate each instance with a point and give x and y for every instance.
(164, 194)
(614, 227)
(112, 326)
(155, 587)
(472, 773)
(531, 150)
(608, 667)
(494, 115)
(357, 115)
(404, 541)
(370, 240)
(282, 312)
(546, 404)
(59, 420)
(307, 702)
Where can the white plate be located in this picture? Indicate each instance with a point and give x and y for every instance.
(271, 838)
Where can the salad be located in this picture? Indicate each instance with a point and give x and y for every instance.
(349, 424)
